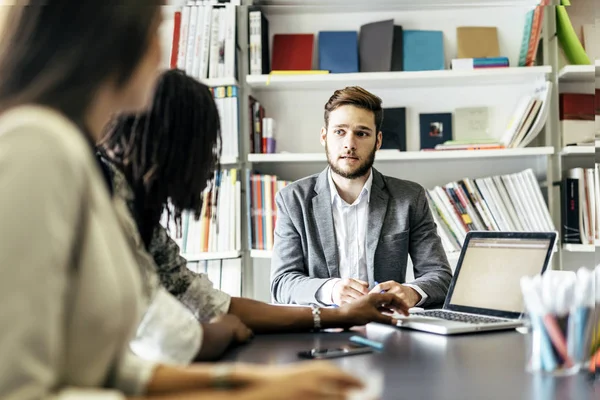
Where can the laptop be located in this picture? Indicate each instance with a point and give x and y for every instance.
(485, 292)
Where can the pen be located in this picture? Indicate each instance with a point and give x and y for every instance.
(377, 283)
(364, 341)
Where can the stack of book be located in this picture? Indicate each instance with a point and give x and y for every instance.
(204, 40)
(226, 99)
(262, 212)
(528, 118)
(262, 129)
(581, 206)
(218, 229)
(511, 202)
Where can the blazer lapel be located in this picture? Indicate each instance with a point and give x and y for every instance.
(377, 210)
(324, 222)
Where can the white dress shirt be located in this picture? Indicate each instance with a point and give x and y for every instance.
(350, 224)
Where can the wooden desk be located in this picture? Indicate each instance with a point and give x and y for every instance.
(418, 365)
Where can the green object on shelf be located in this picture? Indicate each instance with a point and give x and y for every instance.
(568, 39)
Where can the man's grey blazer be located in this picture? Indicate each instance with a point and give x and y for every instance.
(400, 223)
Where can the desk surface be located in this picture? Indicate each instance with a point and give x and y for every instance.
(418, 365)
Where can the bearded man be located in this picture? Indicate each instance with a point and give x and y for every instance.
(348, 231)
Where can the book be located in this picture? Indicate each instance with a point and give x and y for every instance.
(471, 123)
(258, 38)
(477, 41)
(394, 129)
(423, 50)
(434, 129)
(375, 46)
(292, 51)
(577, 106)
(300, 72)
(476, 63)
(338, 51)
(398, 49)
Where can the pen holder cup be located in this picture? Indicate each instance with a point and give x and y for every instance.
(561, 345)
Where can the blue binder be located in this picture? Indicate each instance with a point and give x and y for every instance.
(423, 50)
(338, 51)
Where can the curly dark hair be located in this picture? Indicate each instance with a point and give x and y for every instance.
(170, 153)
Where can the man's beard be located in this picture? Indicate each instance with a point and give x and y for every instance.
(360, 171)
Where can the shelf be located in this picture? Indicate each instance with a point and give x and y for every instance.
(329, 6)
(228, 160)
(215, 82)
(393, 155)
(261, 253)
(407, 79)
(212, 256)
(577, 73)
(580, 248)
(578, 150)
(597, 64)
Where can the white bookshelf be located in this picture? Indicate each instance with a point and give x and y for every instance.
(578, 150)
(393, 155)
(577, 73)
(212, 256)
(228, 160)
(580, 248)
(409, 79)
(296, 101)
(266, 254)
(353, 6)
(216, 82)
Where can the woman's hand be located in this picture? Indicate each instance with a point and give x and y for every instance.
(310, 380)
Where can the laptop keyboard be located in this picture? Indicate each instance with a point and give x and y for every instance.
(453, 316)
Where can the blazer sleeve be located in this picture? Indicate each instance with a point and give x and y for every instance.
(290, 283)
(42, 198)
(430, 263)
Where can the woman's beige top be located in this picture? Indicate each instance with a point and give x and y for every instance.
(69, 286)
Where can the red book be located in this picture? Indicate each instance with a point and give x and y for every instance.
(175, 46)
(597, 102)
(576, 106)
(292, 52)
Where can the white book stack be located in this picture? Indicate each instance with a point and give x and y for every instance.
(528, 118)
(207, 38)
(219, 228)
(511, 202)
(226, 99)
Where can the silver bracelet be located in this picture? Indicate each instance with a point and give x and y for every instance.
(316, 313)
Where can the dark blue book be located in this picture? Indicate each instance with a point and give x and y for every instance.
(338, 51)
(435, 129)
(423, 50)
(393, 129)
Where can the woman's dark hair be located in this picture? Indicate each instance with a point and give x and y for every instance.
(170, 153)
(58, 52)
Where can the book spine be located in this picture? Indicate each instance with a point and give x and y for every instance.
(571, 233)
(175, 43)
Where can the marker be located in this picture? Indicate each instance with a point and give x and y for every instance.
(364, 341)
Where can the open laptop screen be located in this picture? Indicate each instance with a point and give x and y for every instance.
(491, 270)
